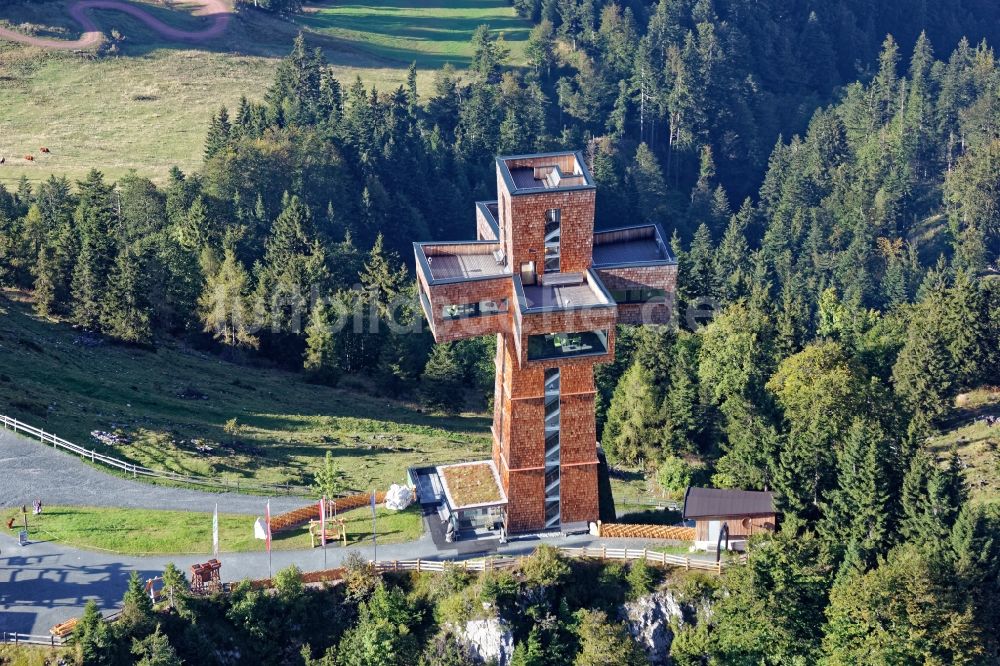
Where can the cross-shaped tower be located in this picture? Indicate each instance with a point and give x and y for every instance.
(552, 290)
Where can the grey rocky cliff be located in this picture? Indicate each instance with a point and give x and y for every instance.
(650, 620)
(489, 641)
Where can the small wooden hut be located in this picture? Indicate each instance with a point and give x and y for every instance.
(716, 511)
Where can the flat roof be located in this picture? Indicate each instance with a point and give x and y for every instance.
(718, 502)
(444, 262)
(471, 485)
(627, 246)
(535, 172)
(567, 293)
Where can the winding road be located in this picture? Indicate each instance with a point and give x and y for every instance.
(218, 10)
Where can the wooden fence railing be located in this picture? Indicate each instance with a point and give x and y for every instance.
(602, 552)
(302, 515)
(627, 531)
(137, 470)
(30, 639)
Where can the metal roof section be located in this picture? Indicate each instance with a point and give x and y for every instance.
(721, 502)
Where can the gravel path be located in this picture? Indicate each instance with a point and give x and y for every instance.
(31, 470)
(217, 10)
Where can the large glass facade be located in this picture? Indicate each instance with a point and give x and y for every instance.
(552, 391)
(566, 345)
(553, 231)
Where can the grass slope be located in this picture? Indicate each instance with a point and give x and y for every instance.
(148, 109)
(977, 444)
(139, 532)
(52, 377)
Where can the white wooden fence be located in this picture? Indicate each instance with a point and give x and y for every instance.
(604, 553)
(135, 471)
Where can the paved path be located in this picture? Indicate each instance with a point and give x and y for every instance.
(31, 470)
(43, 584)
(217, 10)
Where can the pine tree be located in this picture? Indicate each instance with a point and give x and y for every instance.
(441, 384)
(223, 305)
(320, 359)
(155, 650)
(125, 311)
(46, 279)
(93, 221)
(219, 131)
(136, 618)
(860, 514)
(649, 184)
(629, 433)
(91, 637)
(683, 416)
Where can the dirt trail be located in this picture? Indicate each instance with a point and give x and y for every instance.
(218, 10)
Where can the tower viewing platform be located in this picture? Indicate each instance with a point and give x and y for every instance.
(552, 290)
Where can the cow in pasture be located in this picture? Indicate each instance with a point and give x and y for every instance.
(2, 160)
(44, 149)
(30, 158)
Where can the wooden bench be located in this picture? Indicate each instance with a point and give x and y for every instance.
(64, 629)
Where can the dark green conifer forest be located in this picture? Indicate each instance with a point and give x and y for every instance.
(829, 174)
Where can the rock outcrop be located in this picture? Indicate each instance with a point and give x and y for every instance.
(489, 641)
(650, 620)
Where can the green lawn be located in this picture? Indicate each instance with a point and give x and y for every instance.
(140, 532)
(430, 32)
(148, 109)
(164, 399)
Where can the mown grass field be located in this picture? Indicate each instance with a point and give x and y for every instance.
(172, 400)
(141, 532)
(147, 109)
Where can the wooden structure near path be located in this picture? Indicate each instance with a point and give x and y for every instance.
(206, 577)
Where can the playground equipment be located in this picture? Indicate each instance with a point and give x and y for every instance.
(339, 532)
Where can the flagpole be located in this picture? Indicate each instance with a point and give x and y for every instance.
(215, 532)
(268, 513)
(374, 540)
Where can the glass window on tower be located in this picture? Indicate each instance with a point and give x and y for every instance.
(552, 234)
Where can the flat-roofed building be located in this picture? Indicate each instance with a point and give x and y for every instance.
(552, 290)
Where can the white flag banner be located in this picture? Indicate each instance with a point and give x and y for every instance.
(259, 530)
(215, 532)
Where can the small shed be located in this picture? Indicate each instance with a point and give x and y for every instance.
(742, 512)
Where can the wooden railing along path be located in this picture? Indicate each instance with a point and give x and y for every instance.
(627, 531)
(136, 471)
(302, 515)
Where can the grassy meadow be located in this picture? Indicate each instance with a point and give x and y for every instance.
(147, 108)
(977, 443)
(147, 532)
(262, 425)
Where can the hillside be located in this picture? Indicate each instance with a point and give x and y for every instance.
(146, 108)
(973, 430)
(163, 400)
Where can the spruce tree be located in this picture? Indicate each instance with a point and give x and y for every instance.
(629, 434)
(125, 311)
(320, 358)
(442, 381)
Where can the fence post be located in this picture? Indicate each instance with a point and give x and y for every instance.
(604, 551)
(645, 555)
(418, 565)
(687, 563)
